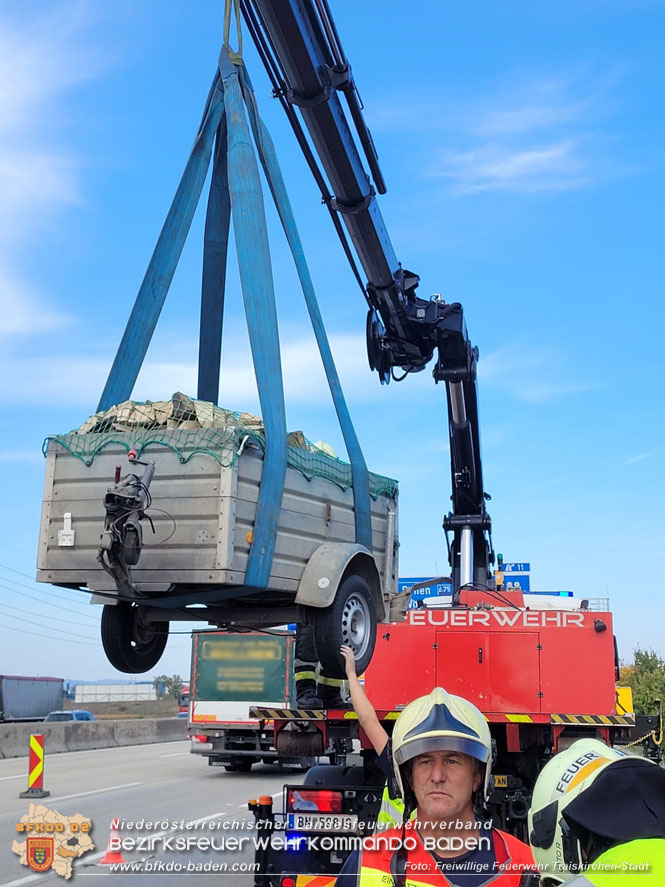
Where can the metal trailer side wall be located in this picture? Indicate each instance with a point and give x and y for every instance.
(26, 697)
(203, 515)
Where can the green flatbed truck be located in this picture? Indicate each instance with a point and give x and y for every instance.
(230, 673)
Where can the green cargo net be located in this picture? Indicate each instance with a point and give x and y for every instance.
(188, 426)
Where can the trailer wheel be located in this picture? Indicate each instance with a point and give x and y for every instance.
(130, 644)
(351, 620)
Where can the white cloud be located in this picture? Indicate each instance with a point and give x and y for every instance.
(303, 375)
(20, 456)
(531, 133)
(558, 166)
(533, 101)
(546, 393)
(79, 379)
(529, 375)
(526, 118)
(640, 457)
(40, 60)
(22, 310)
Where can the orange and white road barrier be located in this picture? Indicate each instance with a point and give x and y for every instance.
(36, 769)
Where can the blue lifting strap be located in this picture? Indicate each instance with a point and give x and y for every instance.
(236, 191)
(268, 155)
(164, 260)
(251, 235)
(213, 282)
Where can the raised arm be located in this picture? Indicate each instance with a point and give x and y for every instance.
(361, 705)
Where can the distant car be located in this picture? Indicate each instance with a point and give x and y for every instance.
(77, 714)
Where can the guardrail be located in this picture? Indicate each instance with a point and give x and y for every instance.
(81, 735)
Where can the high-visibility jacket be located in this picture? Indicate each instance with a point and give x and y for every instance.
(376, 865)
(634, 864)
(391, 811)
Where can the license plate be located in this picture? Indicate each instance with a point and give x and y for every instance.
(500, 781)
(321, 822)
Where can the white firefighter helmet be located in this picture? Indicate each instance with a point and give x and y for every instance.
(442, 722)
(591, 796)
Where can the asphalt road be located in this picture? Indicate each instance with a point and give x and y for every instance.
(159, 784)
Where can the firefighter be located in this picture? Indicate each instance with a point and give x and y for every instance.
(391, 811)
(597, 818)
(312, 691)
(442, 754)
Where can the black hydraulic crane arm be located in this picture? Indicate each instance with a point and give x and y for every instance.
(302, 52)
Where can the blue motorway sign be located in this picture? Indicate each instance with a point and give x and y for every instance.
(516, 568)
(436, 589)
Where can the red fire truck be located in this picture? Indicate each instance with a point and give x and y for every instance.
(542, 671)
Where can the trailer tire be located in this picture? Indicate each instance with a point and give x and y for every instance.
(130, 645)
(350, 619)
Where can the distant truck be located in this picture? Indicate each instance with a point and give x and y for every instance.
(230, 673)
(29, 699)
(183, 699)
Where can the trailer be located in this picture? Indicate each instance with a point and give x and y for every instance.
(29, 698)
(204, 476)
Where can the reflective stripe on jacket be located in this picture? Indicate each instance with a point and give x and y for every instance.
(391, 811)
(376, 865)
(633, 864)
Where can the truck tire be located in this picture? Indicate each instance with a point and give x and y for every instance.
(350, 619)
(129, 644)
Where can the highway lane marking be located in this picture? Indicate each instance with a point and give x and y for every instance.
(178, 754)
(27, 880)
(18, 776)
(94, 791)
(120, 749)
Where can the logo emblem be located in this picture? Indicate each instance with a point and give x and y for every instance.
(48, 841)
(40, 853)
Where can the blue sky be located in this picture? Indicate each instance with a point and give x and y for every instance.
(522, 147)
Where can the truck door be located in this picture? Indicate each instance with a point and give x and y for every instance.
(497, 671)
(514, 672)
(462, 665)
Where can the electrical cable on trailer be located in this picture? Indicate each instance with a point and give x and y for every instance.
(125, 504)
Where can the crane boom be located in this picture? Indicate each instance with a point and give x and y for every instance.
(300, 47)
